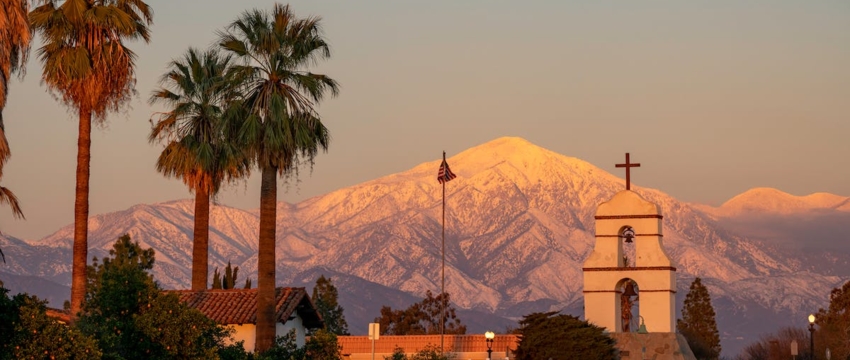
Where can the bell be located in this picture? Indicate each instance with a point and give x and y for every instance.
(629, 238)
(630, 290)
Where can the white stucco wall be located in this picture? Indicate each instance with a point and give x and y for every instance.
(248, 333)
(653, 270)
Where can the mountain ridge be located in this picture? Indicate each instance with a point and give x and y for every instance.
(520, 222)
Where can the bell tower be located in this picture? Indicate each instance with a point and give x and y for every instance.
(628, 266)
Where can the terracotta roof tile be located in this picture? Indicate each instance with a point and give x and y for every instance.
(239, 306)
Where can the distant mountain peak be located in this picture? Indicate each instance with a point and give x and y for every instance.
(774, 201)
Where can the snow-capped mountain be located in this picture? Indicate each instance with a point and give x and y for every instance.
(519, 226)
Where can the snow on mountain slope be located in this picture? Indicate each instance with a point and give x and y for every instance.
(520, 223)
(760, 201)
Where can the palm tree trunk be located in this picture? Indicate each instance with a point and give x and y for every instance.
(201, 242)
(266, 261)
(81, 214)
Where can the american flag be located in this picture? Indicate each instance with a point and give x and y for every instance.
(445, 175)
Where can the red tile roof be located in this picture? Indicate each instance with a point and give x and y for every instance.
(415, 343)
(63, 316)
(239, 306)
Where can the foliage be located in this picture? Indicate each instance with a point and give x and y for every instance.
(28, 332)
(398, 354)
(422, 318)
(87, 64)
(117, 289)
(833, 325)
(229, 281)
(179, 331)
(278, 127)
(325, 296)
(431, 352)
(285, 348)
(559, 336)
(777, 345)
(322, 345)
(131, 319)
(198, 91)
(15, 39)
(698, 324)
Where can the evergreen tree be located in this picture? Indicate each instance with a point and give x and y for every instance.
(698, 325)
(557, 336)
(833, 325)
(216, 284)
(248, 283)
(230, 275)
(325, 296)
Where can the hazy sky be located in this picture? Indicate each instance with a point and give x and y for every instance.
(712, 97)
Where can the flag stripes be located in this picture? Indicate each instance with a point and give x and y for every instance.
(445, 175)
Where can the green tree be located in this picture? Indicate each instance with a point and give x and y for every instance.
(87, 64)
(697, 324)
(130, 318)
(28, 333)
(431, 352)
(229, 280)
(180, 332)
(833, 324)
(422, 318)
(281, 129)
(322, 345)
(216, 284)
(197, 91)
(325, 296)
(559, 336)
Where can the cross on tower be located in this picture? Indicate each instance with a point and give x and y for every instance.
(628, 167)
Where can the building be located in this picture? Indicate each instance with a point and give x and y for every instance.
(238, 308)
(462, 347)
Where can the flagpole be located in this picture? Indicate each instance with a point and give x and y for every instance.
(443, 287)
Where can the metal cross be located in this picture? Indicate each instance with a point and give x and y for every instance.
(628, 165)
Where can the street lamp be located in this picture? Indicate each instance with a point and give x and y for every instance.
(489, 335)
(812, 336)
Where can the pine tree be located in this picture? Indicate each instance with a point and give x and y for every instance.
(325, 296)
(248, 283)
(833, 324)
(557, 336)
(698, 324)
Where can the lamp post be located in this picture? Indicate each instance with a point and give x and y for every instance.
(812, 337)
(489, 336)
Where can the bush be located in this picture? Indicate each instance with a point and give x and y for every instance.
(28, 333)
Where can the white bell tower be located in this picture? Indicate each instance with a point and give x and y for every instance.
(624, 221)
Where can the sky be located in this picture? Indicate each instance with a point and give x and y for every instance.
(711, 97)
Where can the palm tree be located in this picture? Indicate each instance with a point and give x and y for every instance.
(196, 92)
(14, 47)
(281, 129)
(86, 63)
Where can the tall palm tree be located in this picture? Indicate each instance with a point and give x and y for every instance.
(14, 47)
(196, 91)
(281, 129)
(86, 63)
